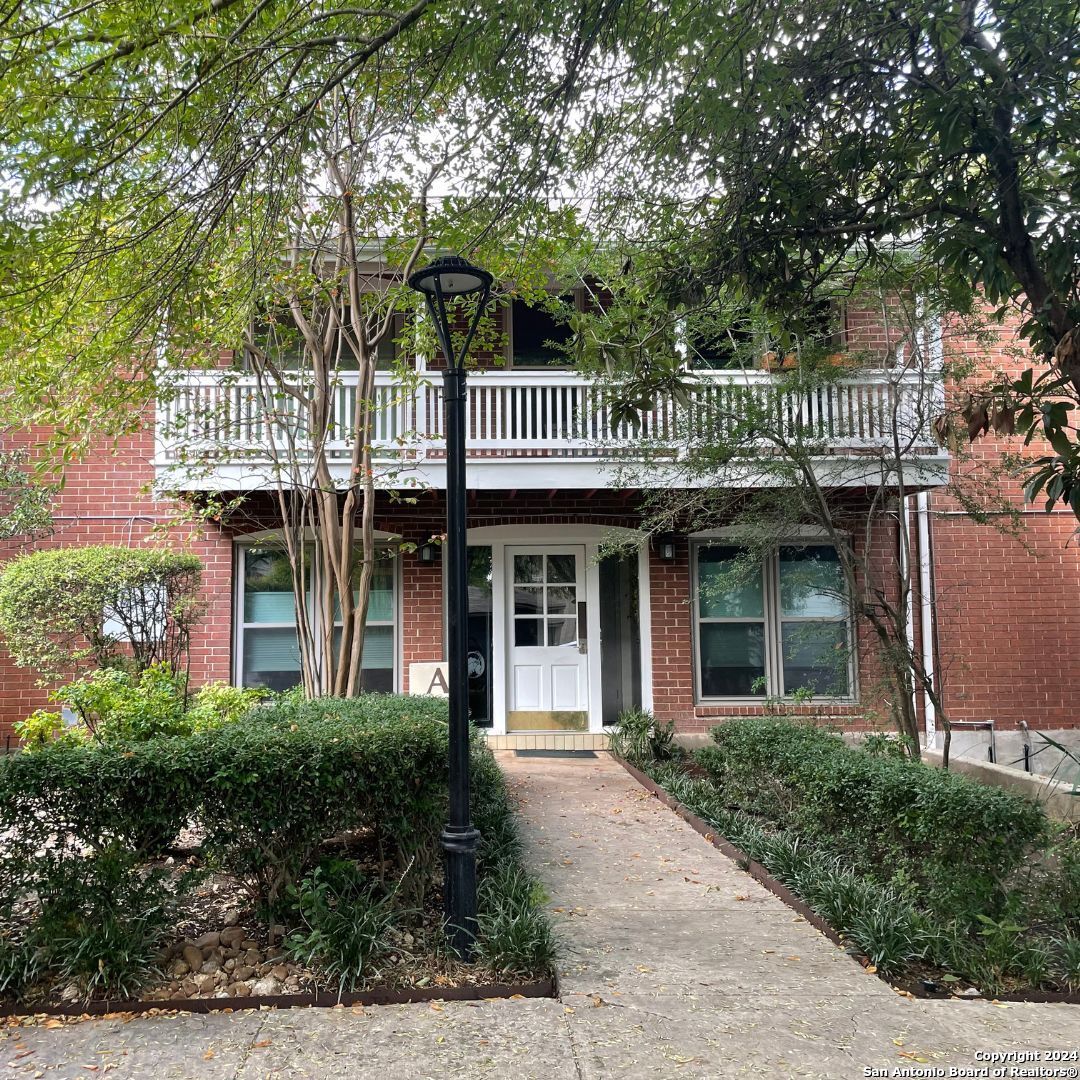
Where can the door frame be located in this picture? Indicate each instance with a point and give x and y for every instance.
(499, 538)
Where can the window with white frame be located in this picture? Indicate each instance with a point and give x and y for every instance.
(776, 628)
(267, 647)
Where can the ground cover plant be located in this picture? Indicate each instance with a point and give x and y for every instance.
(289, 845)
(936, 879)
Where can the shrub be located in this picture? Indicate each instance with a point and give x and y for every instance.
(100, 921)
(297, 772)
(118, 705)
(346, 922)
(640, 738)
(115, 606)
(925, 830)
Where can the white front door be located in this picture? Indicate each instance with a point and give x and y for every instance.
(548, 645)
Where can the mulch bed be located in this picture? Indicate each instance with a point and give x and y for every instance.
(921, 985)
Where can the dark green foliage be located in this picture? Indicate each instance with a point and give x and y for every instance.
(514, 937)
(927, 831)
(345, 921)
(294, 773)
(641, 738)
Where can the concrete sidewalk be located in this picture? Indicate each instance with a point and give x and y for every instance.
(675, 963)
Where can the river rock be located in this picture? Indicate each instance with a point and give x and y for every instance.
(192, 957)
(210, 966)
(249, 944)
(239, 989)
(178, 969)
(280, 972)
(205, 983)
(232, 936)
(253, 957)
(208, 941)
(243, 972)
(232, 917)
(267, 986)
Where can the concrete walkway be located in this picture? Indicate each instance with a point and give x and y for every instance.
(675, 964)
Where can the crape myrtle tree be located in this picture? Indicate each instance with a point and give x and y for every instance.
(140, 144)
(333, 308)
(755, 457)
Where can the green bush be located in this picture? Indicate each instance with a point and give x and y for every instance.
(295, 773)
(640, 738)
(346, 920)
(114, 606)
(119, 705)
(927, 831)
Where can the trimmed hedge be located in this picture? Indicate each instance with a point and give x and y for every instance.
(918, 828)
(265, 790)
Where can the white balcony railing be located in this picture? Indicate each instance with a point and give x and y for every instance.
(524, 415)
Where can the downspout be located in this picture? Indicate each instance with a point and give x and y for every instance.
(926, 614)
(905, 576)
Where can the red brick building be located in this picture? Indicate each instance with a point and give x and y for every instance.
(562, 641)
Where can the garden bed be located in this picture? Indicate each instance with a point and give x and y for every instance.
(288, 859)
(1000, 921)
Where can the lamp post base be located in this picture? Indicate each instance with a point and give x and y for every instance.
(460, 844)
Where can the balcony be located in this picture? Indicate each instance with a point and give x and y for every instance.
(530, 429)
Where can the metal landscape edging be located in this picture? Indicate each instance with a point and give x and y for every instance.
(801, 908)
(378, 996)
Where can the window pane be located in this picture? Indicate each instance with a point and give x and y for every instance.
(811, 583)
(561, 600)
(268, 594)
(562, 632)
(381, 596)
(562, 568)
(527, 632)
(720, 593)
(816, 658)
(528, 568)
(528, 600)
(377, 660)
(732, 658)
(537, 333)
(271, 658)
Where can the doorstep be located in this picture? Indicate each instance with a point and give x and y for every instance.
(557, 740)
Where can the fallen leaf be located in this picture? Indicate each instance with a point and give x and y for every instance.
(208, 1056)
(263, 1042)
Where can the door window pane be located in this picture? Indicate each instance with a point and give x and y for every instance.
(562, 631)
(816, 658)
(528, 600)
(561, 568)
(811, 583)
(561, 600)
(722, 592)
(732, 659)
(529, 568)
(527, 632)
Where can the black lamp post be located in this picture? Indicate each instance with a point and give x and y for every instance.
(445, 278)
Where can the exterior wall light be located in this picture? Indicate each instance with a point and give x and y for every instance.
(664, 546)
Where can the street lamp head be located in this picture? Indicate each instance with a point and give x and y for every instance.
(450, 275)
